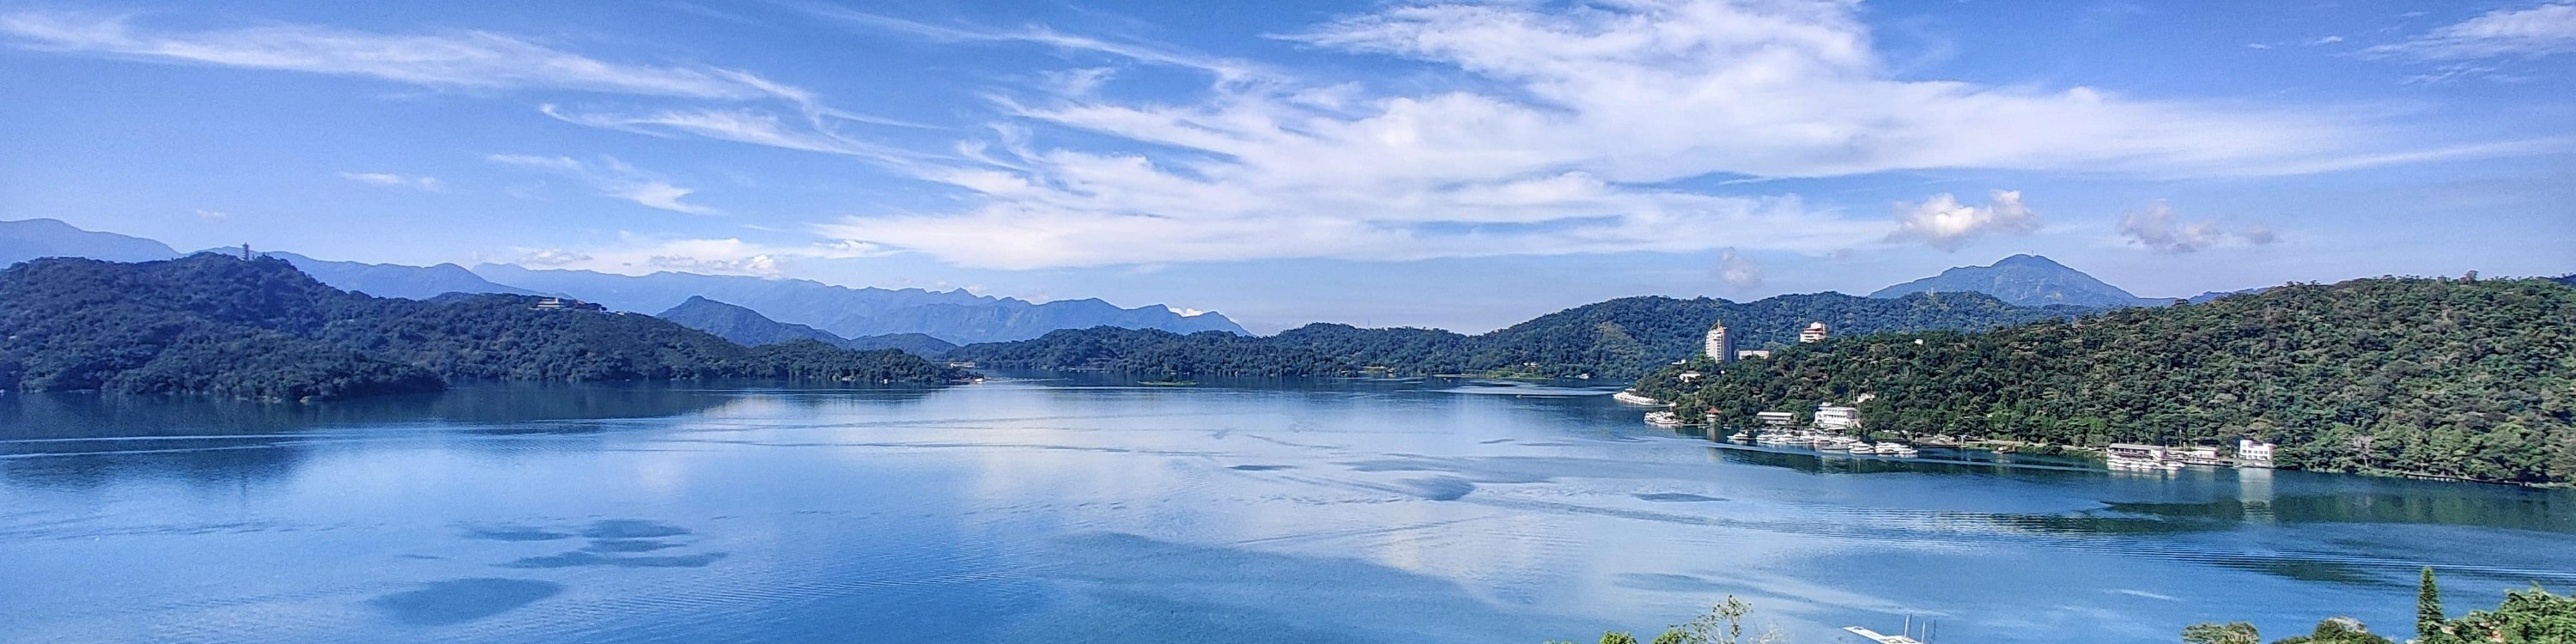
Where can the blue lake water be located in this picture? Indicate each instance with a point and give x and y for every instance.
(1080, 509)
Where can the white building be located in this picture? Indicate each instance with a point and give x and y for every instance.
(1748, 354)
(1815, 332)
(1776, 418)
(1834, 418)
(1720, 344)
(2252, 453)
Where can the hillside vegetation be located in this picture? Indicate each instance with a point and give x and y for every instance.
(218, 325)
(2454, 378)
(1618, 339)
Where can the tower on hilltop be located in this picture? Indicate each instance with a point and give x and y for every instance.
(1815, 333)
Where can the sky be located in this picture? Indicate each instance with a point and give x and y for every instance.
(1463, 166)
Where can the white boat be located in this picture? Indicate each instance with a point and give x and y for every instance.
(1633, 398)
(1891, 448)
(1740, 437)
(1663, 419)
(1863, 447)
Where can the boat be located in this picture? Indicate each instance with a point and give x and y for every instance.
(1740, 437)
(1663, 419)
(2132, 456)
(1634, 398)
(1898, 450)
(1863, 447)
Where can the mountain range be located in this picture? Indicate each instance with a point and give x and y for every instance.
(32, 238)
(912, 319)
(259, 328)
(955, 316)
(749, 328)
(2025, 280)
(1615, 339)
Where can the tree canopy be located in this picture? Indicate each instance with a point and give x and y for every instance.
(219, 325)
(1619, 339)
(2441, 377)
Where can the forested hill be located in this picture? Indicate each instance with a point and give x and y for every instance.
(1618, 339)
(219, 325)
(2443, 377)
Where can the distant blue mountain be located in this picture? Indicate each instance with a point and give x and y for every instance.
(2213, 295)
(749, 328)
(2024, 280)
(396, 280)
(952, 316)
(32, 238)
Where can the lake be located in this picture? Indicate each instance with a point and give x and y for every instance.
(1083, 508)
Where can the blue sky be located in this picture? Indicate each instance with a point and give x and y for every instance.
(1383, 163)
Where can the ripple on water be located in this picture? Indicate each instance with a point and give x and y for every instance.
(1676, 497)
(457, 601)
(1437, 488)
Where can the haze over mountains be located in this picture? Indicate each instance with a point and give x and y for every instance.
(956, 317)
(749, 328)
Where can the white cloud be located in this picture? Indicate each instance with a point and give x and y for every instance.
(213, 215)
(1738, 271)
(1580, 117)
(2157, 229)
(793, 117)
(2538, 31)
(1944, 223)
(756, 127)
(612, 178)
(636, 254)
(1227, 69)
(392, 180)
(465, 59)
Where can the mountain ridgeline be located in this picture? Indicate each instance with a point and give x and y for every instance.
(2470, 379)
(259, 329)
(749, 328)
(2026, 280)
(915, 320)
(1618, 339)
(953, 316)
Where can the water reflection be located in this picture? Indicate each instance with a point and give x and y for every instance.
(1401, 510)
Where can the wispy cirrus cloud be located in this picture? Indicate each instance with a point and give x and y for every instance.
(1225, 69)
(2537, 31)
(751, 108)
(396, 180)
(639, 254)
(461, 59)
(1592, 112)
(612, 178)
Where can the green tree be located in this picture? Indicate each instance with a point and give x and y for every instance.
(1670, 636)
(1618, 637)
(2428, 611)
(2526, 617)
(2216, 633)
(2338, 630)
